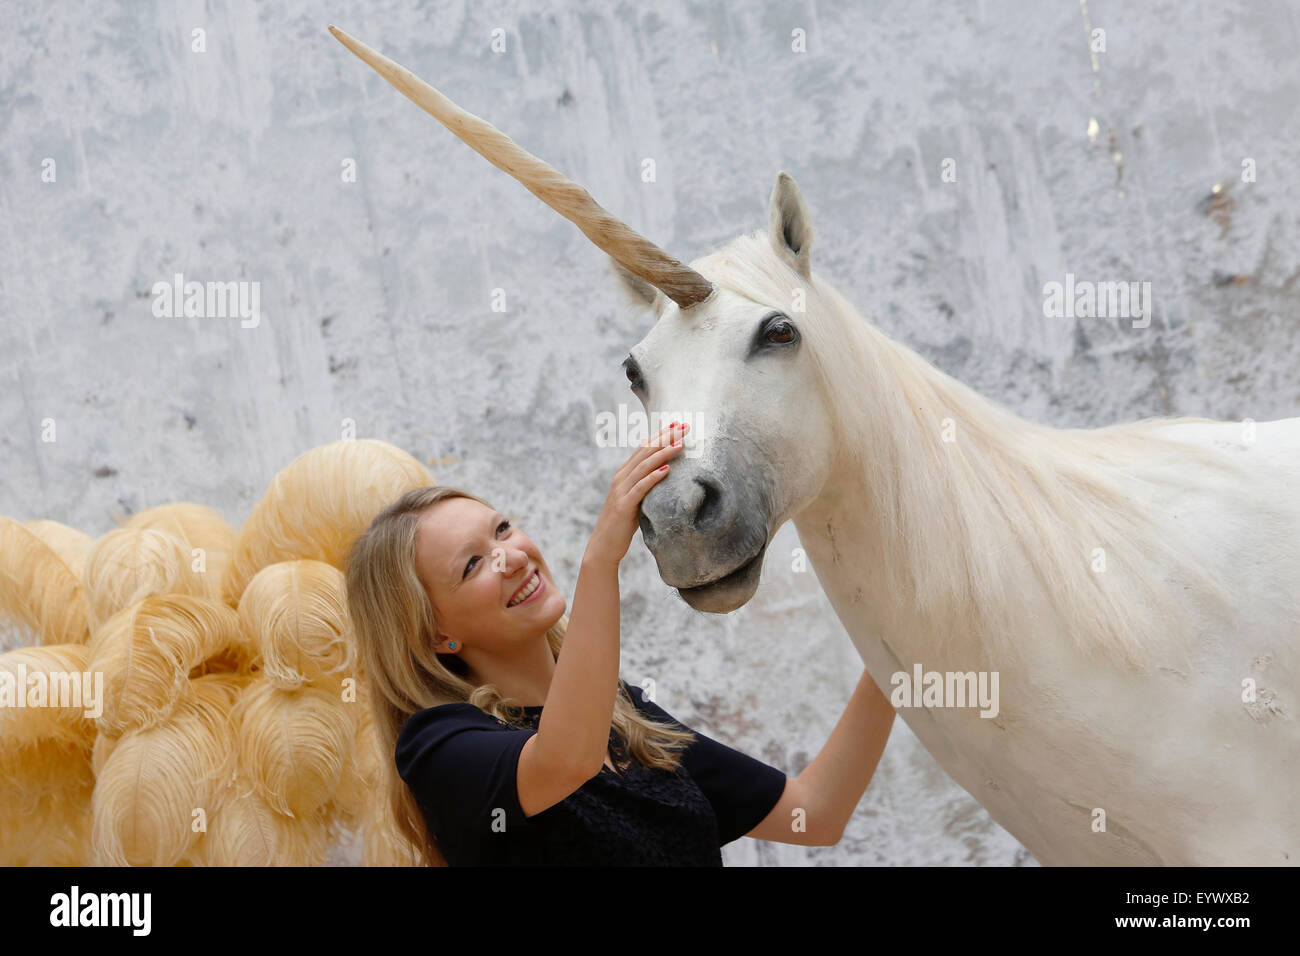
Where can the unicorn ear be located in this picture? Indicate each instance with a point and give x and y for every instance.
(636, 291)
(790, 224)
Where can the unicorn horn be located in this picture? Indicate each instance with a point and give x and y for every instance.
(634, 252)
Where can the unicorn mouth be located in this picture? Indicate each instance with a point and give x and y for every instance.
(741, 576)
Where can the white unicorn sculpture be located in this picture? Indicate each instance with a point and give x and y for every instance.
(1136, 589)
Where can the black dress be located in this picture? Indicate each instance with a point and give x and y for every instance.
(460, 763)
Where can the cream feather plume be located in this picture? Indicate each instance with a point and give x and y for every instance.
(236, 726)
(38, 590)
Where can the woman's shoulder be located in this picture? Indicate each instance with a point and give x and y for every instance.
(435, 736)
(445, 718)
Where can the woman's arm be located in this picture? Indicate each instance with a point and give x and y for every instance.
(572, 737)
(580, 702)
(817, 804)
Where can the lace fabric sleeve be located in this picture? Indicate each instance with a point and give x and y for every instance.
(742, 789)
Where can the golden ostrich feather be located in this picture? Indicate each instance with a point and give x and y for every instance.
(208, 539)
(45, 794)
(233, 726)
(157, 782)
(70, 544)
(147, 650)
(247, 831)
(38, 589)
(294, 744)
(297, 615)
(319, 504)
(127, 565)
(32, 681)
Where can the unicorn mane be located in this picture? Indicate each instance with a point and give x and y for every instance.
(1026, 504)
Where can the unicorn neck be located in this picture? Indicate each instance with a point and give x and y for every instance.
(946, 514)
(915, 491)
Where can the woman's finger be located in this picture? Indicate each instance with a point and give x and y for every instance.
(642, 449)
(661, 439)
(643, 486)
(651, 462)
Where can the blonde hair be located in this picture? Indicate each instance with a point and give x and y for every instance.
(393, 620)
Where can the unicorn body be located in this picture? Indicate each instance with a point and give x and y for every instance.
(1185, 771)
(1135, 588)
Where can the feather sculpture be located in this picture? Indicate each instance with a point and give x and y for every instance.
(233, 726)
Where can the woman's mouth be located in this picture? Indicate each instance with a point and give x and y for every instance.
(529, 592)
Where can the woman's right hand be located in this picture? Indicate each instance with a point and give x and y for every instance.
(641, 472)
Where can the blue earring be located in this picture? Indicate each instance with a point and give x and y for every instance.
(452, 645)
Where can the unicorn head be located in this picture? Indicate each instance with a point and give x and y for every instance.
(729, 351)
(739, 365)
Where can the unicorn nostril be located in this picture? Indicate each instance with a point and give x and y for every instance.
(710, 506)
(647, 529)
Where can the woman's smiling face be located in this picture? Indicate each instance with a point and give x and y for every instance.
(472, 562)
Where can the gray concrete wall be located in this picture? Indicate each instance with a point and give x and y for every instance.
(376, 295)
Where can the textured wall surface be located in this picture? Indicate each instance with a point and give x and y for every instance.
(376, 295)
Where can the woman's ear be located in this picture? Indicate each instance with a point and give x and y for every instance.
(790, 224)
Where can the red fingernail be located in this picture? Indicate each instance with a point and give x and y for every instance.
(664, 468)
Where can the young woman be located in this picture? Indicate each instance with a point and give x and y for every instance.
(511, 752)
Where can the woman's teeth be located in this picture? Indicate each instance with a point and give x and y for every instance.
(533, 584)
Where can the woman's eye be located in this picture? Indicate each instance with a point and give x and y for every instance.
(470, 564)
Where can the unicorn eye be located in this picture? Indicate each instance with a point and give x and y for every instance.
(780, 333)
(633, 374)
